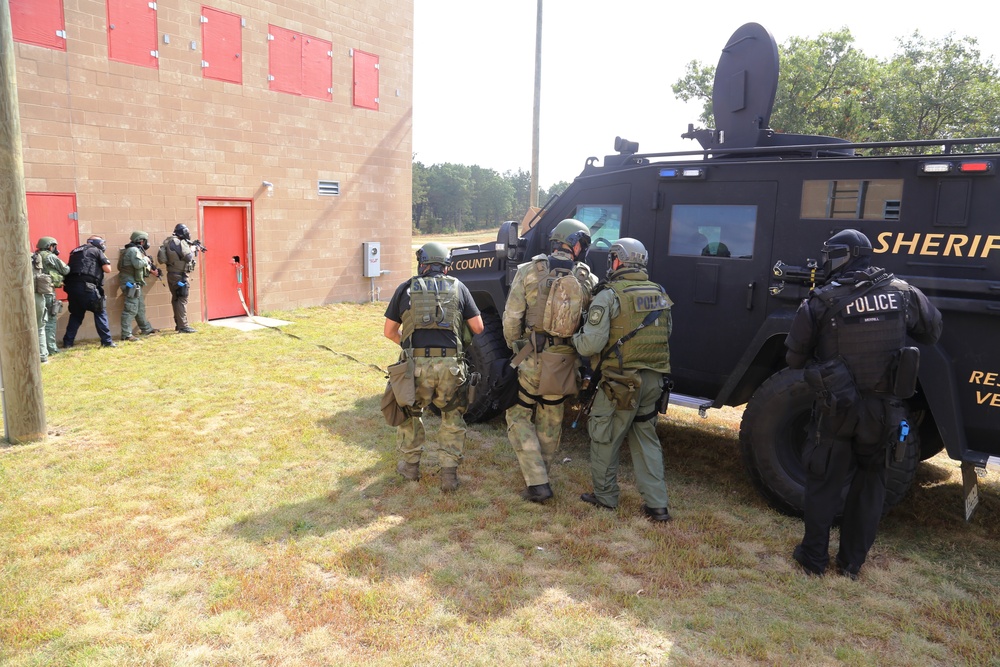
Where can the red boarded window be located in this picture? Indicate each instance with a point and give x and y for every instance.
(222, 37)
(300, 64)
(132, 32)
(53, 214)
(365, 80)
(39, 22)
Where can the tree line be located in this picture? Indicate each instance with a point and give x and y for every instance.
(929, 89)
(452, 197)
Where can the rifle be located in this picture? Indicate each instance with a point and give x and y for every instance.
(198, 245)
(155, 270)
(589, 391)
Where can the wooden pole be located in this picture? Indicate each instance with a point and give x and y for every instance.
(20, 360)
(536, 116)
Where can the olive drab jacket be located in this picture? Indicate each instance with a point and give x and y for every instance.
(176, 253)
(133, 266)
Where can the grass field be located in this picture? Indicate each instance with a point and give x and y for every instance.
(230, 498)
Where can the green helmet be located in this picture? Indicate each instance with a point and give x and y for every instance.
(569, 232)
(139, 236)
(45, 242)
(434, 253)
(630, 252)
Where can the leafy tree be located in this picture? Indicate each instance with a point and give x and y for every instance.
(419, 192)
(931, 89)
(448, 194)
(556, 189)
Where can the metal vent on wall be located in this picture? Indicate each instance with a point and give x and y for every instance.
(329, 188)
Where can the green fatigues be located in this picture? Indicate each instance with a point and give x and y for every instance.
(437, 380)
(134, 267)
(176, 253)
(534, 430)
(45, 305)
(607, 425)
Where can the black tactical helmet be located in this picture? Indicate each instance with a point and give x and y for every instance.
(139, 236)
(97, 242)
(45, 243)
(630, 252)
(433, 253)
(568, 232)
(181, 231)
(848, 249)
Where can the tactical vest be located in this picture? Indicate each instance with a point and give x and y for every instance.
(538, 286)
(84, 263)
(57, 276)
(648, 348)
(126, 269)
(869, 327)
(43, 281)
(171, 253)
(434, 305)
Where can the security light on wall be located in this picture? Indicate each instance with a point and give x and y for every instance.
(269, 186)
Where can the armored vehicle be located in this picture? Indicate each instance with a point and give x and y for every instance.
(730, 229)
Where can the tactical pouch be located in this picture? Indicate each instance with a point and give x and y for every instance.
(183, 289)
(557, 374)
(403, 383)
(664, 400)
(621, 388)
(834, 385)
(907, 364)
(131, 290)
(55, 307)
(43, 283)
(391, 410)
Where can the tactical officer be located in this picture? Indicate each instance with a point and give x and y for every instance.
(85, 289)
(534, 423)
(49, 273)
(862, 315)
(626, 336)
(427, 317)
(134, 266)
(176, 252)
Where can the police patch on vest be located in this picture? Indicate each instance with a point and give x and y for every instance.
(596, 315)
(874, 304)
(645, 303)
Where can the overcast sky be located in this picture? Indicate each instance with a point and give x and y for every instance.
(607, 68)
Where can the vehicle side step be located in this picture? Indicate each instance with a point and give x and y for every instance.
(694, 402)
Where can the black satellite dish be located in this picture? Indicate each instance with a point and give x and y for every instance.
(746, 81)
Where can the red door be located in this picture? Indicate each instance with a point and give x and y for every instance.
(54, 215)
(227, 267)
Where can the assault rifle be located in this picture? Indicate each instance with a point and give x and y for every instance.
(809, 275)
(198, 245)
(155, 270)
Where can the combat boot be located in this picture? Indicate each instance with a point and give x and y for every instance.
(409, 471)
(449, 479)
(538, 493)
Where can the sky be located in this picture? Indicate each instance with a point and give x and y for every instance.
(608, 67)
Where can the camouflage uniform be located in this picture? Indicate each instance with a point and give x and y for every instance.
(534, 423)
(614, 314)
(133, 268)
(46, 310)
(439, 367)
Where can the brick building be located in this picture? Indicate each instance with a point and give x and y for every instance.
(278, 131)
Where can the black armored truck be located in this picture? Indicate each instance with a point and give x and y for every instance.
(732, 231)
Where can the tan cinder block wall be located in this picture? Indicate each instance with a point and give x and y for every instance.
(140, 146)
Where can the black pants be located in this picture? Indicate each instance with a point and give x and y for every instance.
(84, 297)
(831, 459)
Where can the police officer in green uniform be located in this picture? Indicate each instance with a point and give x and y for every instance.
(862, 315)
(134, 266)
(176, 252)
(50, 271)
(534, 423)
(85, 288)
(427, 316)
(633, 377)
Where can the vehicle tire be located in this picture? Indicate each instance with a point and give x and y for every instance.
(773, 435)
(486, 349)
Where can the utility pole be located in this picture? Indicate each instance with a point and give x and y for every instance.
(20, 362)
(533, 195)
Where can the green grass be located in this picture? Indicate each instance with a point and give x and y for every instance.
(230, 498)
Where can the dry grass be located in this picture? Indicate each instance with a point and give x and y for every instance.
(230, 498)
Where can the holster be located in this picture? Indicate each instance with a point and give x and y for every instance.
(904, 381)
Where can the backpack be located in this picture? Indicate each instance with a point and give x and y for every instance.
(43, 281)
(565, 304)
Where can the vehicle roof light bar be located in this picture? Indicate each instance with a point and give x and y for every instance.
(980, 166)
(935, 167)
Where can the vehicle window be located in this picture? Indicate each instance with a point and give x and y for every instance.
(605, 222)
(713, 231)
(876, 199)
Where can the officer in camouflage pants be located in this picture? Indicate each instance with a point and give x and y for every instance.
(426, 317)
(534, 423)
